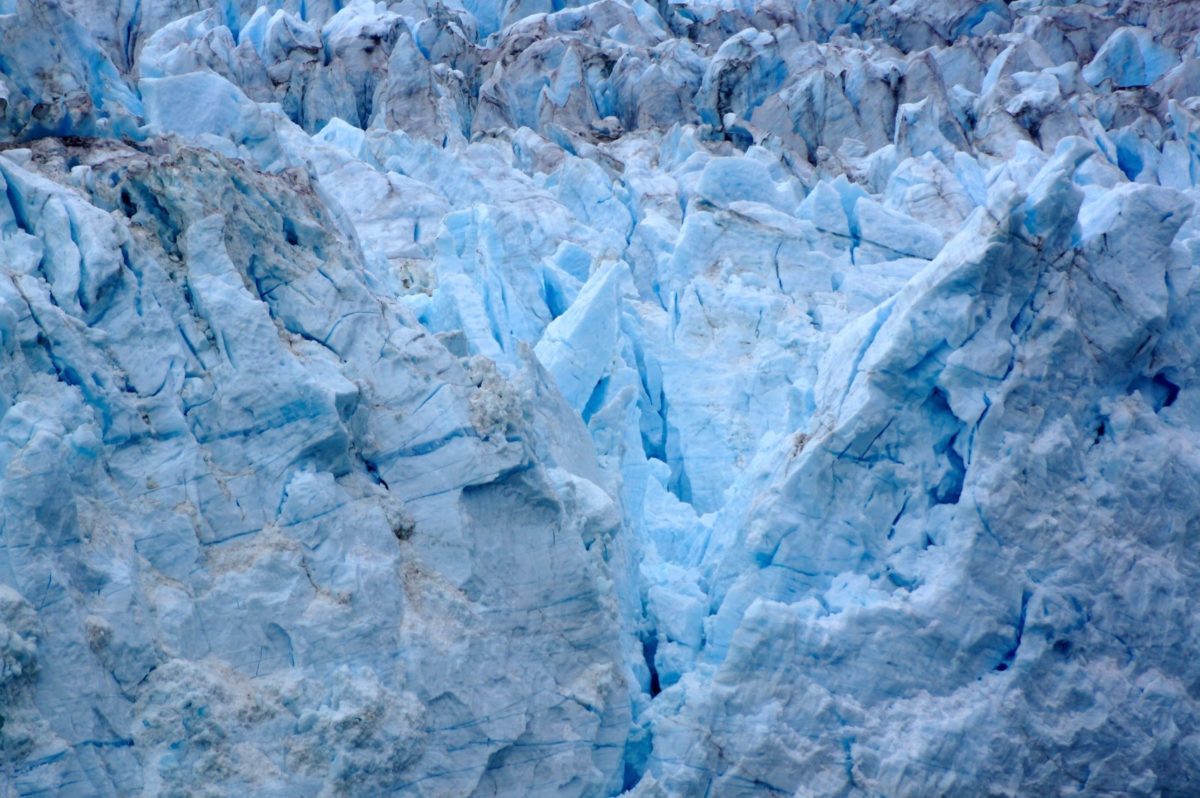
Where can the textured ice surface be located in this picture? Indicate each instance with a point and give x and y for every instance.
(527, 398)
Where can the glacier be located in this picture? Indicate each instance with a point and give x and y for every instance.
(542, 398)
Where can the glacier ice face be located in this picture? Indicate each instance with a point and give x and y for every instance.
(283, 441)
(526, 398)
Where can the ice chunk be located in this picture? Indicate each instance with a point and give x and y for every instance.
(1130, 57)
(577, 346)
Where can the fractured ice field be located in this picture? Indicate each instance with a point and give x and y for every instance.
(446, 398)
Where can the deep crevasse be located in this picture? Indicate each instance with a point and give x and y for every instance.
(690, 399)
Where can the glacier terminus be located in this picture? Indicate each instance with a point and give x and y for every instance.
(715, 398)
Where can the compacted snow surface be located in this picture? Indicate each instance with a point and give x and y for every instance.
(708, 398)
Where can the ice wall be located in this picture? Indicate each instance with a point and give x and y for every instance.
(707, 398)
